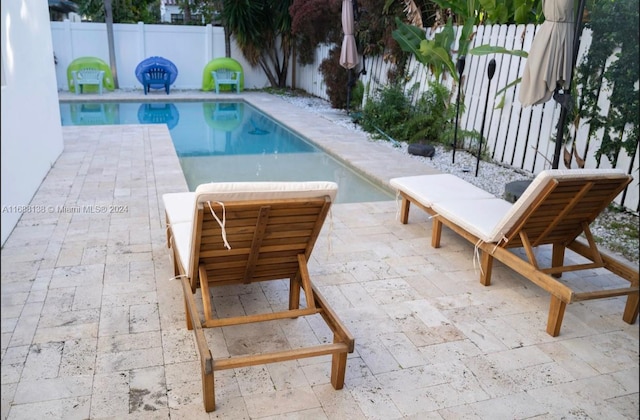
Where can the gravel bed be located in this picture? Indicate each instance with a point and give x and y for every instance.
(614, 230)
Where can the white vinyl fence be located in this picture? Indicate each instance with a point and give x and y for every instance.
(190, 48)
(515, 136)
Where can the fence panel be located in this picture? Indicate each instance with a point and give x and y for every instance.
(189, 47)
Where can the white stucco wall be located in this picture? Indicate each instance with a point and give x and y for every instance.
(31, 129)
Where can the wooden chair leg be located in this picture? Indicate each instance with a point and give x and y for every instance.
(338, 368)
(294, 293)
(208, 391)
(630, 314)
(557, 258)
(174, 260)
(556, 313)
(486, 267)
(436, 232)
(188, 316)
(404, 211)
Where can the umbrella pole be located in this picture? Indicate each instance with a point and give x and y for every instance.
(490, 72)
(349, 72)
(460, 68)
(564, 107)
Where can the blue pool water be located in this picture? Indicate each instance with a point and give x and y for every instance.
(231, 141)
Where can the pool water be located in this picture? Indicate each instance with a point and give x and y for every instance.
(231, 141)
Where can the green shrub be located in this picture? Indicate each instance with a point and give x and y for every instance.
(430, 120)
(432, 117)
(386, 110)
(357, 95)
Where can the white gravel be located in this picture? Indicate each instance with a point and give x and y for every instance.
(617, 231)
(491, 177)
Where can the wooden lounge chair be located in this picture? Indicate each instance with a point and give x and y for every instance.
(556, 209)
(240, 233)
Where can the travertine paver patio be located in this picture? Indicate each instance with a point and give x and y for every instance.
(93, 327)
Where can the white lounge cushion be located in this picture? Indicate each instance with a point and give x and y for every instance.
(430, 189)
(247, 191)
(478, 217)
(182, 239)
(179, 206)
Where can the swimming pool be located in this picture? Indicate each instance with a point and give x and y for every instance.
(231, 141)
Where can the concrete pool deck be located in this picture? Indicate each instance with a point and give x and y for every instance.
(93, 327)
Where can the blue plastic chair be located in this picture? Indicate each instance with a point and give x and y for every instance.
(156, 73)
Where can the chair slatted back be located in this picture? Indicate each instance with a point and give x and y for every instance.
(89, 73)
(560, 212)
(156, 74)
(265, 237)
(225, 74)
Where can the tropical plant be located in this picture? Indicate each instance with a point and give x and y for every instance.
(385, 112)
(262, 29)
(493, 11)
(335, 79)
(437, 53)
(208, 9)
(615, 28)
(390, 114)
(374, 25)
(357, 96)
(124, 11)
(314, 22)
(431, 117)
(434, 53)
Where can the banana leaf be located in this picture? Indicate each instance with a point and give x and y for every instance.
(435, 54)
(491, 49)
(409, 38)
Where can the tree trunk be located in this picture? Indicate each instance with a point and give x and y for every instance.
(108, 18)
(227, 41)
(186, 10)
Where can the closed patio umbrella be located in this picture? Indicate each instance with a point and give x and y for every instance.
(550, 62)
(349, 52)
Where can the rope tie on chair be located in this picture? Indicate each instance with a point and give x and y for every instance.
(476, 257)
(504, 238)
(476, 252)
(179, 276)
(330, 231)
(221, 223)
